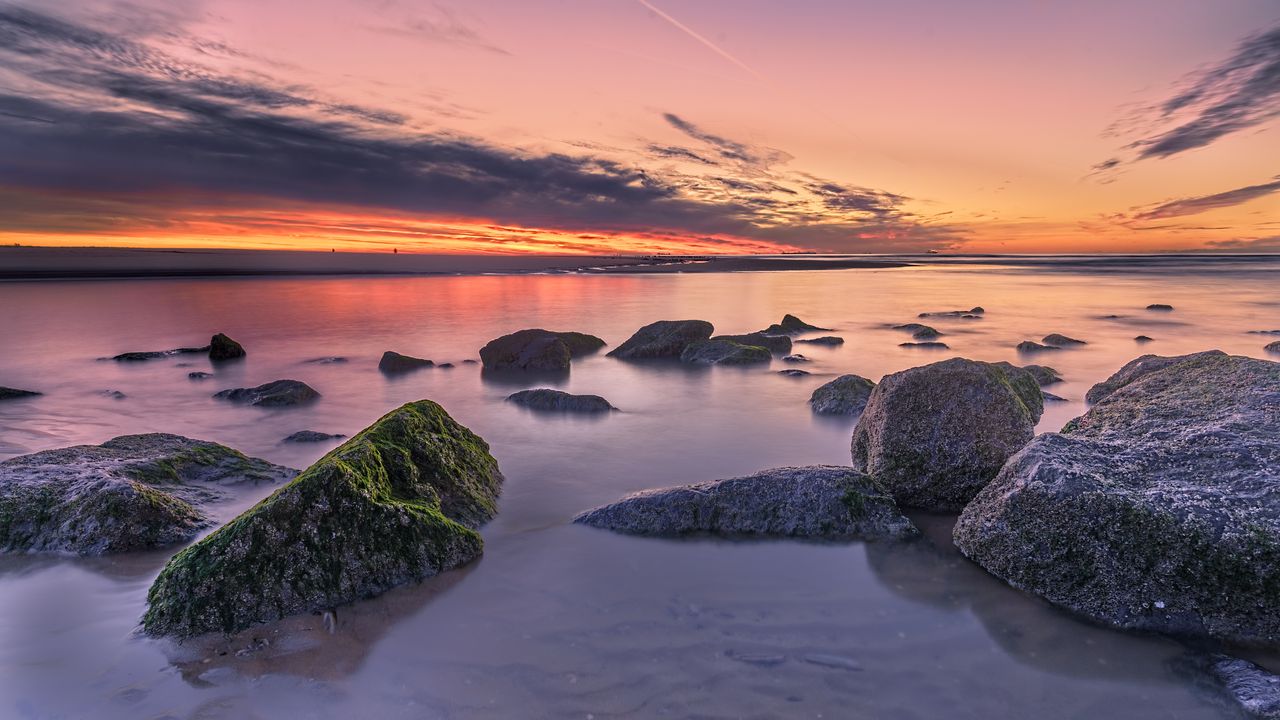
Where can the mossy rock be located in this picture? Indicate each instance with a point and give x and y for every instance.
(721, 351)
(537, 349)
(663, 339)
(398, 502)
(846, 395)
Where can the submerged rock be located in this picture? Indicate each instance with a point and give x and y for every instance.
(796, 358)
(1160, 307)
(311, 436)
(1059, 340)
(1143, 339)
(396, 503)
(199, 375)
(1273, 347)
(719, 351)
(113, 394)
(827, 340)
(8, 393)
(222, 347)
(846, 395)
(278, 393)
(393, 362)
(1159, 509)
(537, 349)
(144, 355)
(820, 501)
(1050, 397)
(933, 436)
(663, 339)
(793, 372)
(1254, 689)
(968, 314)
(331, 360)
(918, 331)
(791, 325)
(926, 345)
(1264, 332)
(1029, 346)
(779, 344)
(559, 401)
(133, 492)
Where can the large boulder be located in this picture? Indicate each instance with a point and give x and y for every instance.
(1159, 509)
(277, 393)
(1134, 370)
(393, 363)
(933, 436)
(549, 400)
(8, 393)
(721, 351)
(398, 502)
(846, 395)
(133, 492)
(222, 347)
(821, 501)
(792, 325)
(663, 339)
(537, 349)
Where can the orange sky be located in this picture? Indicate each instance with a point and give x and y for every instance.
(612, 126)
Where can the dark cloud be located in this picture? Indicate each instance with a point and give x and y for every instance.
(1240, 93)
(1261, 245)
(108, 125)
(1205, 203)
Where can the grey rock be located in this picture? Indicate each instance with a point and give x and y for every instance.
(827, 340)
(793, 372)
(1143, 339)
(1273, 347)
(1043, 374)
(1255, 690)
(933, 436)
(278, 393)
(1060, 340)
(1158, 510)
(331, 360)
(133, 492)
(1050, 397)
(967, 314)
(927, 345)
(550, 400)
(199, 375)
(796, 358)
(663, 339)
(1160, 307)
(778, 344)
(820, 501)
(311, 436)
(1029, 346)
(113, 394)
(222, 347)
(537, 349)
(846, 395)
(718, 351)
(393, 363)
(792, 325)
(1264, 332)
(8, 393)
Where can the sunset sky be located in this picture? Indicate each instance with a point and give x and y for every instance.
(641, 126)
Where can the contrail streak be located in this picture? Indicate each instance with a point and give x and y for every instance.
(694, 34)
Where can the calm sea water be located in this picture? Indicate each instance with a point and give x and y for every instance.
(559, 620)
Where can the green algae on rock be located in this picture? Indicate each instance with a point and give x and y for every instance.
(663, 339)
(846, 395)
(133, 492)
(398, 502)
(722, 351)
(537, 349)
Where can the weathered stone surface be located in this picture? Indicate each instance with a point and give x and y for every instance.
(222, 347)
(1060, 340)
(550, 400)
(1043, 374)
(8, 393)
(821, 501)
(133, 492)
(846, 395)
(972, 313)
(199, 375)
(929, 345)
(393, 363)
(1160, 307)
(779, 344)
(796, 358)
(663, 339)
(537, 349)
(933, 436)
(793, 372)
(1273, 347)
(278, 393)
(719, 351)
(1255, 690)
(791, 325)
(1143, 339)
(1159, 509)
(827, 340)
(312, 436)
(1030, 346)
(396, 503)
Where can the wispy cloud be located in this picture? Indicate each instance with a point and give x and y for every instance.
(1204, 203)
(438, 23)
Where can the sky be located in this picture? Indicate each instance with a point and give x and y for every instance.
(642, 126)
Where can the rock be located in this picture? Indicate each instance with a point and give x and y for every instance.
(1157, 510)
(469, 361)
(1043, 374)
(927, 345)
(537, 349)
(222, 347)
(332, 360)
(396, 503)
(793, 372)
(278, 393)
(1273, 347)
(933, 436)
(1143, 339)
(143, 356)
(846, 395)
(311, 436)
(1050, 397)
(199, 375)
(828, 340)
(1264, 332)
(558, 401)
(113, 394)
(792, 325)
(821, 501)
(918, 331)
(796, 358)
(445, 365)
(8, 393)
(1160, 307)
(967, 314)
(780, 344)
(393, 363)
(133, 492)
(718, 351)
(1028, 346)
(1059, 340)
(663, 339)
(1255, 690)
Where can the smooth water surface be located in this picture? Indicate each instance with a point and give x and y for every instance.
(558, 620)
